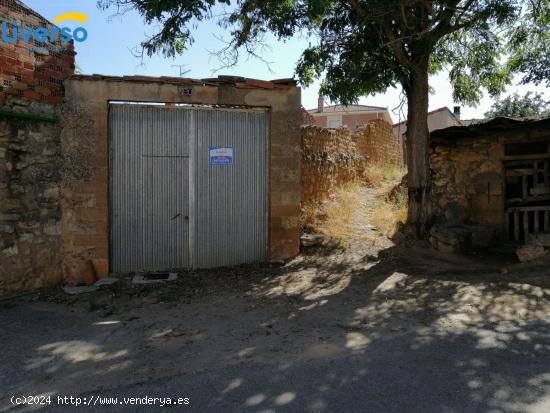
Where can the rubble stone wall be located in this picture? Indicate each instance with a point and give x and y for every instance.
(30, 209)
(333, 157)
(330, 158)
(468, 182)
(377, 141)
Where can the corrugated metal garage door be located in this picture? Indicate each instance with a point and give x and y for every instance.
(188, 187)
(231, 200)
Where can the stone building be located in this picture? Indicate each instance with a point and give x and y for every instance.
(491, 183)
(33, 65)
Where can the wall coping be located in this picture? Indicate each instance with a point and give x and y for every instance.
(233, 81)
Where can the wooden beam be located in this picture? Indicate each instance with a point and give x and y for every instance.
(525, 157)
(516, 226)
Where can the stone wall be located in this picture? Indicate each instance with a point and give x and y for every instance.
(468, 182)
(30, 209)
(330, 158)
(473, 167)
(377, 141)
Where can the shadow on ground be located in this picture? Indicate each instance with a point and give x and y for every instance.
(338, 331)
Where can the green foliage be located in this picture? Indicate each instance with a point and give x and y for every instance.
(516, 106)
(367, 46)
(530, 43)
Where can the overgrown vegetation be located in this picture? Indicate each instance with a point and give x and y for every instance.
(378, 200)
(335, 218)
(389, 208)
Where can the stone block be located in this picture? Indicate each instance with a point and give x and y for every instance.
(530, 252)
(52, 228)
(8, 229)
(82, 273)
(450, 239)
(53, 276)
(11, 251)
(101, 267)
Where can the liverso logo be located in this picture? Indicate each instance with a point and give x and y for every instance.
(13, 33)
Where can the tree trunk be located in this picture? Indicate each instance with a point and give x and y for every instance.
(419, 213)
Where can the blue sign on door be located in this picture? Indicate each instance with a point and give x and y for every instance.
(220, 156)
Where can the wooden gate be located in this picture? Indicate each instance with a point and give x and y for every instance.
(527, 197)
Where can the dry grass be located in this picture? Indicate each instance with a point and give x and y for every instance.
(334, 218)
(390, 207)
(339, 217)
(387, 215)
(383, 176)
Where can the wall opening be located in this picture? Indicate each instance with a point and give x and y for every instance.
(527, 197)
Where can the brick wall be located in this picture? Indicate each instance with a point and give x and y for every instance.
(330, 158)
(30, 211)
(35, 75)
(377, 141)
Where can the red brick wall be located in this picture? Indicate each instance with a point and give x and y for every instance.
(32, 75)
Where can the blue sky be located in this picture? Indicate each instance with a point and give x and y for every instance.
(111, 39)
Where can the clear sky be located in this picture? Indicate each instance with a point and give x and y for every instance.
(111, 39)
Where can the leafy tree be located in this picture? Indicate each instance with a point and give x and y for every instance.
(516, 106)
(368, 46)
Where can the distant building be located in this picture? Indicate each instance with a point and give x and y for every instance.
(32, 70)
(352, 116)
(437, 119)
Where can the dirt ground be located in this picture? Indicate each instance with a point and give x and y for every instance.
(326, 303)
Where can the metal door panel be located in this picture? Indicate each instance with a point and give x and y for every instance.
(231, 200)
(149, 186)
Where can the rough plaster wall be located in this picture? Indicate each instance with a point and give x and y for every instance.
(330, 158)
(30, 212)
(84, 219)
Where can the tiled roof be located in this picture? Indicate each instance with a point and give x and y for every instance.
(494, 125)
(348, 108)
(236, 81)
